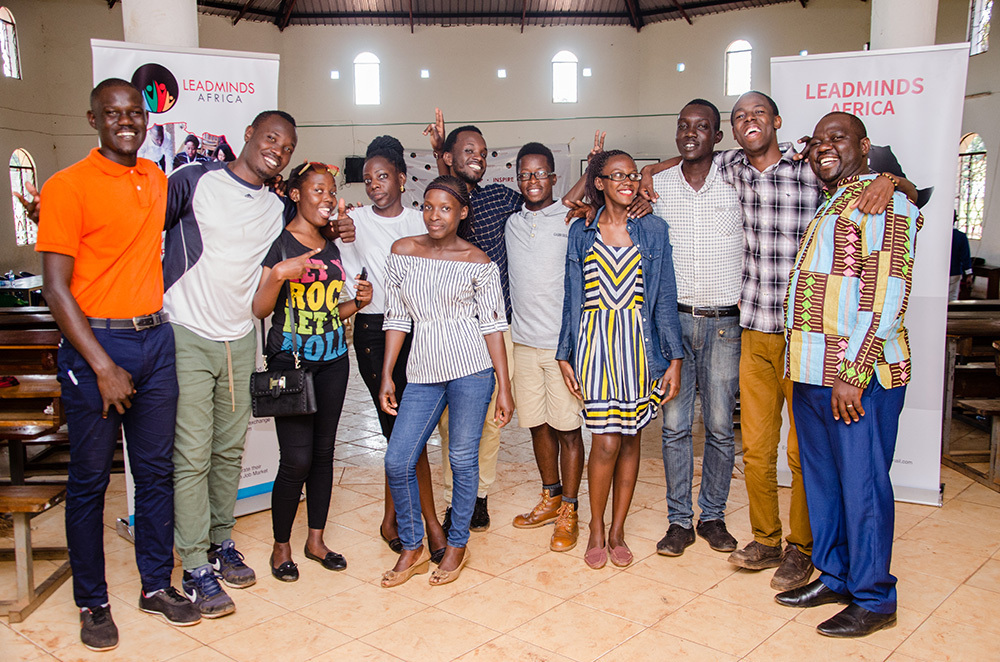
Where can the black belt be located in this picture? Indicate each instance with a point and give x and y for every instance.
(709, 311)
(140, 323)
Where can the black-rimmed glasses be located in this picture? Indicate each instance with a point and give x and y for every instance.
(538, 174)
(622, 176)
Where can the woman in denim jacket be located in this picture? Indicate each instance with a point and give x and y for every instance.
(620, 343)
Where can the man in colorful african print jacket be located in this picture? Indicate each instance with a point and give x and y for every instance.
(849, 359)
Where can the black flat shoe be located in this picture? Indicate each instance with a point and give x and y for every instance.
(813, 594)
(855, 621)
(395, 544)
(438, 554)
(332, 560)
(286, 572)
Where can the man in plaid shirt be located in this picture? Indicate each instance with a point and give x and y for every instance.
(779, 195)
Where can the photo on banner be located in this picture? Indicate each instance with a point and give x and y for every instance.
(210, 96)
(898, 94)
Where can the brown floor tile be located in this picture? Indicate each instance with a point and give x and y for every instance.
(362, 610)
(980, 494)
(559, 630)
(148, 639)
(973, 606)
(355, 651)
(940, 640)
(691, 571)
(801, 642)
(515, 604)
(635, 598)
(934, 558)
(922, 593)
(506, 647)
(251, 610)
(16, 647)
(720, 625)
(559, 574)
(496, 554)
(431, 634)
(970, 514)
(257, 644)
(54, 626)
(987, 577)
(655, 646)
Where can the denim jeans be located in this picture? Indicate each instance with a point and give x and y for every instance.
(467, 399)
(712, 361)
(149, 437)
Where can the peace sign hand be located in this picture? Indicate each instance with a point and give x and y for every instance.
(295, 268)
(436, 132)
(598, 144)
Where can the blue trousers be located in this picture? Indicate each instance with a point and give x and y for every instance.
(845, 469)
(467, 399)
(149, 433)
(712, 362)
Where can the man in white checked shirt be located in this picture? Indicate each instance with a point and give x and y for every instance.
(706, 232)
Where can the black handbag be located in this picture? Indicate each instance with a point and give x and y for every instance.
(282, 392)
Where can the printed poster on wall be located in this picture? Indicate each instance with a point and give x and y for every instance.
(200, 101)
(911, 102)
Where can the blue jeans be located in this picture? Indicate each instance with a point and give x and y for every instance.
(149, 433)
(712, 361)
(467, 399)
(845, 469)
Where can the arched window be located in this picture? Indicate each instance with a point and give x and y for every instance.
(970, 203)
(366, 80)
(738, 56)
(564, 78)
(980, 12)
(8, 45)
(22, 171)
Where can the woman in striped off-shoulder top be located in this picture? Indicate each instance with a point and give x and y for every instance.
(448, 292)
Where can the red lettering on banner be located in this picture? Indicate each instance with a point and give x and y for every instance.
(853, 93)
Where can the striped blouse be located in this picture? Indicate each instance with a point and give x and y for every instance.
(450, 306)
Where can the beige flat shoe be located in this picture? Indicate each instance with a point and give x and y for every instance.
(392, 578)
(439, 576)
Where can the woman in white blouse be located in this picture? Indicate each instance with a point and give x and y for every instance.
(448, 292)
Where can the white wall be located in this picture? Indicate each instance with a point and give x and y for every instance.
(633, 74)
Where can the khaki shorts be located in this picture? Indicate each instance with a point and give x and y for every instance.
(541, 393)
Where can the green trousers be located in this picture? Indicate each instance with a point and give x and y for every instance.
(213, 410)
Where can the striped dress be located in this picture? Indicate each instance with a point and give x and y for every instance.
(450, 306)
(619, 394)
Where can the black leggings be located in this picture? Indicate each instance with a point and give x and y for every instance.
(306, 445)
(369, 345)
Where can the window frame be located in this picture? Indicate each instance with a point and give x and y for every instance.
(366, 61)
(21, 162)
(970, 194)
(979, 39)
(565, 77)
(735, 49)
(11, 55)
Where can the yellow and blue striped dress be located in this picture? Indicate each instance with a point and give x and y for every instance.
(619, 393)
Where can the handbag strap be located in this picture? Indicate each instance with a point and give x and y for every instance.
(291, 322)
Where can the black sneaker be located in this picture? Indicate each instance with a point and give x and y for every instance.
(202, 588)
(714, 531)
(98, 631)
(171, 605)
(229, 566)
(678, 539)
(480, 516)
(446, 524)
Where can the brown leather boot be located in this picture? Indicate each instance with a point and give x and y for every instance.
(543, 512)
(566, 529)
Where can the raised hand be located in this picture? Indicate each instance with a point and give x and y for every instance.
(31, 206)
(436, 132)
(344, 224)
(295, 268)
(598, 144)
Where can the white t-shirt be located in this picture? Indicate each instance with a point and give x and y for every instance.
(374, 237)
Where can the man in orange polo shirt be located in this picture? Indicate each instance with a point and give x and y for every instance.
(99, 237)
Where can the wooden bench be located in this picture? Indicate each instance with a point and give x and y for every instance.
(989, 408)
(24, 502)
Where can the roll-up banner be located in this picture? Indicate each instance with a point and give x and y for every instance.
(911, 102)
(200, 101)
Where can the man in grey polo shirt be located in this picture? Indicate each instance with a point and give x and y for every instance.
(536, 239)
(706, 231)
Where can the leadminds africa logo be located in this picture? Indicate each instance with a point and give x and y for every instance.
(158, 86)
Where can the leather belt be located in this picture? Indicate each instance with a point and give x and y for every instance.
(140, 323)
(709, 311)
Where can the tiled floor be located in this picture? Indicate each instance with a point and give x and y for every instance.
(519, 601)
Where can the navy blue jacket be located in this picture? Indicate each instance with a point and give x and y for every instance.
(661, 327)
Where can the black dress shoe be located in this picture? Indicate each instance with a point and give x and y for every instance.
(395, 544)
(286, 572)
(813, 594)
(677, 539)
(855, 621)
(480, 516)
(332, 560)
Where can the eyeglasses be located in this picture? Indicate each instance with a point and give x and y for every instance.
(538, 174)
(622, 176)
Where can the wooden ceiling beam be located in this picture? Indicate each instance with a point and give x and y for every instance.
(411, 16)
(633, 14)
(243, 10)
(524, 10)
(680, 8)
(285, 14)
